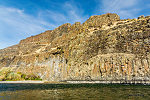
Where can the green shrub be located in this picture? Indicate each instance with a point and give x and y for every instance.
(13, 76)
(32, 77)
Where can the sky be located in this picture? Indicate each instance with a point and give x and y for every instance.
(20, 19)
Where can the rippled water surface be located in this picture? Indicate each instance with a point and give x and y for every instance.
(73, 92)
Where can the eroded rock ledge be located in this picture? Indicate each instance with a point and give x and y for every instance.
(102, 48)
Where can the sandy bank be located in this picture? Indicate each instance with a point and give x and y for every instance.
(79, 82)
(21, 81)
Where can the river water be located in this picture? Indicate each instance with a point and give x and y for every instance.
(74, 92)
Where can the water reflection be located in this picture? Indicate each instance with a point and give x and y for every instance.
(75, 92)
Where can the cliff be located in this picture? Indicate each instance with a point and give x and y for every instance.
(102, 48)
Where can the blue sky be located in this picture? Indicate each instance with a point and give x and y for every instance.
(20, 19)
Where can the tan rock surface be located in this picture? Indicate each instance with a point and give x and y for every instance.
(102, 48)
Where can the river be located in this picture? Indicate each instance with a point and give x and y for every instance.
(74, 92)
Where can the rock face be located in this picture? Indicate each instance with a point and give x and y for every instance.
(102, 48)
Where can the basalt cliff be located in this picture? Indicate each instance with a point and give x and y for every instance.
(104, 47)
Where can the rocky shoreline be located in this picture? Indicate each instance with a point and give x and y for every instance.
(144, 82)
(112, 82)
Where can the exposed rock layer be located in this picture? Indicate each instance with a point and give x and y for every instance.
(102, 48)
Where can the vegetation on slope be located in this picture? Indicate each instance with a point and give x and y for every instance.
(7, 75)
